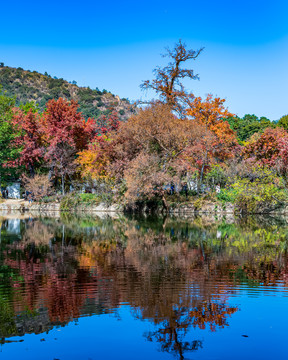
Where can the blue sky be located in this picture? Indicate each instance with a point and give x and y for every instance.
(115, 45)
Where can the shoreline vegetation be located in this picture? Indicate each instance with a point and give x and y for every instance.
(179, 153)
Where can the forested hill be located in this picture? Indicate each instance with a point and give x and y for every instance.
(29, 85)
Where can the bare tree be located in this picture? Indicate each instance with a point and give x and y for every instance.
(39, 186)
(63, 162)
(168, 80)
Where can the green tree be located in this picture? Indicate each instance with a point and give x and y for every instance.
(8, 151)
(283, 122)
(248, 125)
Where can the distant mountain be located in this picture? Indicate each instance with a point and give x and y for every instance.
(28, 85)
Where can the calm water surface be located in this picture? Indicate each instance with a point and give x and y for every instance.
(127, 288)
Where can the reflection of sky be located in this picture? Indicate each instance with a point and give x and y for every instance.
(116, 44)
(13, 226)
(263, 319)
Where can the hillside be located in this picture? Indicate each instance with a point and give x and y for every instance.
(28, 85)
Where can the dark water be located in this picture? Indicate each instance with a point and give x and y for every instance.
(92, 288)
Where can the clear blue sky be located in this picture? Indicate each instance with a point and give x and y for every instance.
(116, 44)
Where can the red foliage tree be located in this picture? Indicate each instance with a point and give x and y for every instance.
(30, 138)
(64, 124)
(269, 148)
(66, 133)
(107, 124)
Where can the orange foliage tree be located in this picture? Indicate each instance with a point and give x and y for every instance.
(94, 161)
(218, 141)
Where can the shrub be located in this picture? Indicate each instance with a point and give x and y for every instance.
(69, 202)
(50, 199)
(216, 176)
(72, 201)
(40, 186)
(264, 193)
(227, 195)
(258, 197)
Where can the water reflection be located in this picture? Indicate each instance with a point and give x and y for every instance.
(178, 275)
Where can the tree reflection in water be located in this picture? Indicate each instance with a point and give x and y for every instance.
(172, 332)
(178, 275)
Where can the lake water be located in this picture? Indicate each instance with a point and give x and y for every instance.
(143, 288)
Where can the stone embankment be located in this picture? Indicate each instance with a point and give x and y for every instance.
(205, 208)
(177, 209)
(24, 206)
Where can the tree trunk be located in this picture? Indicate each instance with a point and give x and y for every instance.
(165, 204)
(199, 186)
(51, 172)
(31, 170)
(202, 173)
(63, 185)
